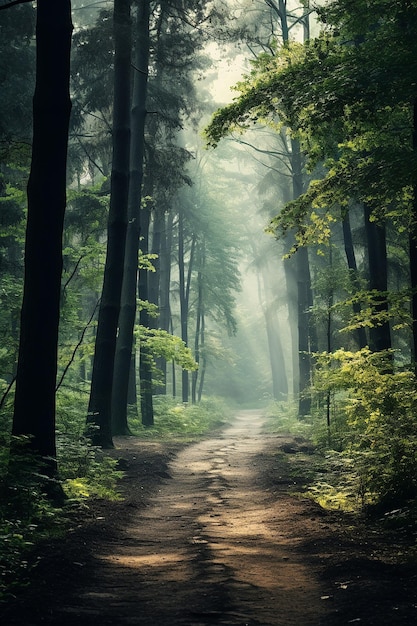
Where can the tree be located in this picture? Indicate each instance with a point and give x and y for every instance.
(34, 412)
(362, 129)
(99, 409)
(125, 344)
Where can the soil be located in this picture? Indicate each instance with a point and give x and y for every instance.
(212, 533)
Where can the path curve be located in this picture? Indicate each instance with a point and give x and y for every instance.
(212, 547)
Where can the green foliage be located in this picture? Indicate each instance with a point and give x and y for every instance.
(85, 471)
(378, 424)
(346, 96)
(173, 419)
(283, 418)
(160, 343)
(26, 515)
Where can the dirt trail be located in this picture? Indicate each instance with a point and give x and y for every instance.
(210, 534)
(212, 547)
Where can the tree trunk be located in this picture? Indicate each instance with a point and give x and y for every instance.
(184, 288)
(164, 288)
(34, 409)
(413, 248)
(99, 410)
(379, 335)
(304, 314)
(306, 332)
(124, 358)
(198, 325)
(203, 359)
(145, 365)
(351, 261)
(279, 378)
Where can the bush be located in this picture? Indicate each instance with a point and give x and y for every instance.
(378, 423)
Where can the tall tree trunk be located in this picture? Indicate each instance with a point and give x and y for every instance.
(34, 409)
(279, 378)
(99, 410)
(183, 300)
(145, 361)
(164, 288)
(379, 335)
(306, 332)
(304, 305)
(184, 288)
(198, 325)
(203, 359)
(351, 261)
(124, 367)
(413, 248)
(154, 279)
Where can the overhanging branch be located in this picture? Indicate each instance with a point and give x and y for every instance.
(12, 4)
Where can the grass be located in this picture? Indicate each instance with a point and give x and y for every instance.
(330, 476)
(182, 420)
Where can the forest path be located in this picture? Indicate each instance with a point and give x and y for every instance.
(212, 547)
(209, 534)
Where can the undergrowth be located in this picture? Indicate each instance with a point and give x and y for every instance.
(27, 515)
(182, 420)
(367, 460)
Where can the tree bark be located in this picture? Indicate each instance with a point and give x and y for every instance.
(379, 335)
(413, 248)
(34, 409)
(164, 288)
(184, 288)
(145, 361)
(351, 261)
(99, 410)
(306, 332)
(125, 343)
(199, 322)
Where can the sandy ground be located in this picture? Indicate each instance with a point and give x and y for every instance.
(210, 534)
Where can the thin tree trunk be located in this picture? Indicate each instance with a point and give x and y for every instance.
(279, 378)
(184, 286)
(124, 358)
(34, 409)
(99, 410)
(379, 335)
(199, 317)
(351, 261)
(413, 248)
(306, 331)
(164, 288)
(304, 314)
(145, 365)
(203, 359)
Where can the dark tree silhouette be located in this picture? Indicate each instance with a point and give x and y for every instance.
(34, 411)
(99, 410)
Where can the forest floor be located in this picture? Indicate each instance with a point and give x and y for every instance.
(212, 533)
